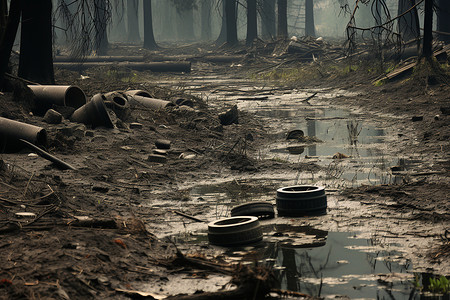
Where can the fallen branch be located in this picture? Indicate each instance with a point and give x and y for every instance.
(188, 216)
(63, 165)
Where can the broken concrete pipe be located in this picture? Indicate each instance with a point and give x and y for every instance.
(52, 117)
(11, 132)
(142, 93)
(60, 95)
(118, 102)
(152, 103)
(144, 98)
(93, 113)
(183, 102)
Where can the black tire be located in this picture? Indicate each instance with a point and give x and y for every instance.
(301, 200)
(235, 231)
(262, 210)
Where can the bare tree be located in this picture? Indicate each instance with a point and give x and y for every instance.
(252, 23)
(7, 41)
(133, 21)
(35, 61)
(231, 18)
(101, 17)
(149, 38)
(85, 25)
(3, 14)
(428, 30)
(309, 18)
(268, 19)
(206, 6)
(443, 20)
(282, 30)
(408, 23)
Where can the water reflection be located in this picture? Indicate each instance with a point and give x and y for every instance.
(308, 260)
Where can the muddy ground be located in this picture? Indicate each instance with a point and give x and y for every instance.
(104, 228)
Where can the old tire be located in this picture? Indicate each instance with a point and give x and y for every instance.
(235, 231)
(301, 200)
(262, 210)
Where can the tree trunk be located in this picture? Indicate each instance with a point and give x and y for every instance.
(282, 31)
(168, 30)
(149, 38)
(3, 14)
(223, 29)
(428, 30)
(7, 41)
(309, 18)
(36, 59)
(133, 24)
(443, 20)
(117, 30)
(252, 23)
(230, 16)
(206, 20)
(268, 28)
(100, 24)
(186, 24)
(408, 25)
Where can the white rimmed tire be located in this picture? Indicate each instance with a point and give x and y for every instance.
(235, 231)
(260, 209)
(301, 200)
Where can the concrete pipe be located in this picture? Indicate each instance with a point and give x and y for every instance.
(142, 93)
(152, 103)
(12, 131)
(93, 113)
(118, 102)
(61, 95)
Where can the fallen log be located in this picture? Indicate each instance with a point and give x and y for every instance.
(409, 67)
(205, 58)
(139, 66)
(120, 58)
(220, 58)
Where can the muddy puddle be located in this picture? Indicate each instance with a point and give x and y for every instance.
(351, 150)
(329, 132)
(318, 262)
(350, 251)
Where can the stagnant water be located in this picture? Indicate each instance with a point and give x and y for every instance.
(329, 130)
(317, 262)
(305, 259)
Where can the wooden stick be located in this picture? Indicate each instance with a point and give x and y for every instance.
(188, 216)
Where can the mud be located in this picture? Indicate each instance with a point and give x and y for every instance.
(402, 207)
